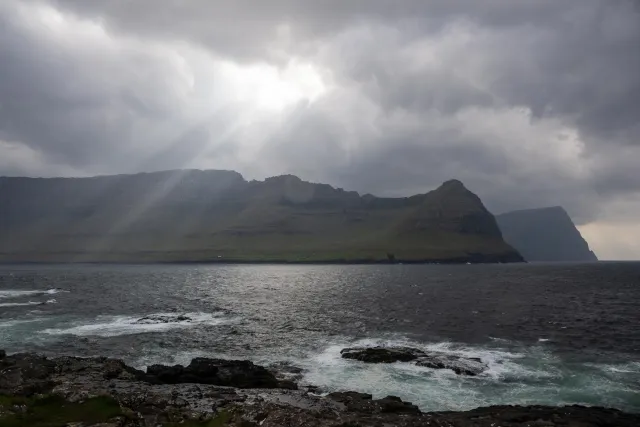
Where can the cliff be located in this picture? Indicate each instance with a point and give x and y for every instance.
(546, 234)
(194, 216)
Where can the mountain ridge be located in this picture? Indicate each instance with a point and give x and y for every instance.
(194, 215)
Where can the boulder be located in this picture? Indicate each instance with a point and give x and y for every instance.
(381, 354)
(395, 405)
(162, 318)
(364, 403)
(435, 360)
(459, 365)
(231, 373)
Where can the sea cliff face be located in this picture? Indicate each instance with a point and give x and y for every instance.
(546, 234)
(217, 216)
(37, 392)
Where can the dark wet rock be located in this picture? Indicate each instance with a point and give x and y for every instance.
(364, 403)
(434, 360)
(285, 371)
(25, 374)
(3, 354)
(459, 365)
(144, 404)
(381, 354)
(230, 373)
(163, 318)
(395, 405)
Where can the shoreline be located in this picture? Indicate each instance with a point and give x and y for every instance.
(454, 261)
(217, 392)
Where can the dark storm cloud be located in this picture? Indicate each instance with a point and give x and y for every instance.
(530, 102)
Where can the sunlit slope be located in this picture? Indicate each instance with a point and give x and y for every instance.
(218, 216)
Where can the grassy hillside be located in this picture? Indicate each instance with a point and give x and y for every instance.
(194, 216)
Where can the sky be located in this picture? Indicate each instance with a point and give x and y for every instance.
(530, 103)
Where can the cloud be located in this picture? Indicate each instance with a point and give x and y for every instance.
(530, 103)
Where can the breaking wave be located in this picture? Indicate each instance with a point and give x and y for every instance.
(110, 326)
(16, 293)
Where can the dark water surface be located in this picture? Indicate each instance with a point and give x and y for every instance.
(551, 334)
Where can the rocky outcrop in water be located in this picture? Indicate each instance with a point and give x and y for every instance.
(460, 365)
(163, 318)
(38, 392)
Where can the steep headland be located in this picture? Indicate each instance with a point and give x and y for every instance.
(217, 216)
(546, 234)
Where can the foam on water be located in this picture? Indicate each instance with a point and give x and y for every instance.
(18, 293)
(530, 375)
(110, 326)
(16, 322)
(21, 304)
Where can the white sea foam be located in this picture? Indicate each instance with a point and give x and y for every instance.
(17, 293)
(15, 322)
(526, 375)
(110, 326)
(29, 303)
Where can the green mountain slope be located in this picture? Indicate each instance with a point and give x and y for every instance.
(218, 216)
(546, 234)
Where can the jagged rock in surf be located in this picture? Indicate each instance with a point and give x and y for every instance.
(163, 318)
(460, 365)
(381, 354)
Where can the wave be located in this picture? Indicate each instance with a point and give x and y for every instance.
(515, 375)
(17, 293)
(14, 322)
(111, 326)
(30, 303)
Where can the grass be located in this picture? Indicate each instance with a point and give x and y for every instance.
(54, 411)
(257, 229)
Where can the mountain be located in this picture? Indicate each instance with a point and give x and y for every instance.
(546, 234)
(190, 216)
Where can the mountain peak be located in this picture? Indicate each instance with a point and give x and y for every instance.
(453, 183)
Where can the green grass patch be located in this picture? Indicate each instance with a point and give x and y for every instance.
(55, 411)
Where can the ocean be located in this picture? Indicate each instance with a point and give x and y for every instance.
(551, 334)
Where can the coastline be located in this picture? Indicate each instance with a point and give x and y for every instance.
(213, 392)
(471, 259)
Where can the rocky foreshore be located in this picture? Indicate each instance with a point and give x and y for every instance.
(69, 391)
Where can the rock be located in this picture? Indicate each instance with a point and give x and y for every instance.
(25, 374)
(286, 372)
(363, 402)
(161, 318)
(3, 354)
(395, 405)
(137, 403)
(381, 354)
(231, 373)
(460, 365)
(347, 396)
